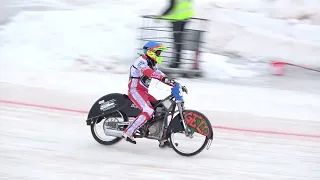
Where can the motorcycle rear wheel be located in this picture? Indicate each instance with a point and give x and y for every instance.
(119, 116)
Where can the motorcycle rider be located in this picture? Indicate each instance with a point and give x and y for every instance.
(142, 71)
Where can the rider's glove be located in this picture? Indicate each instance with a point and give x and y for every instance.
(184, 89)
(166, 80)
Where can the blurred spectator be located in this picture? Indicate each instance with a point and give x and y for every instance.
(178, 13)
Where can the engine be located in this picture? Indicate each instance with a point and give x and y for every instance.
(155, 130)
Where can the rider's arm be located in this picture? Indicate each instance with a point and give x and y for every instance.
(143, 67)
(163, 74)
(151, 73)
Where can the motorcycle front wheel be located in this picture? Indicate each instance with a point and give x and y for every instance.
(188, 146)
(200, 134)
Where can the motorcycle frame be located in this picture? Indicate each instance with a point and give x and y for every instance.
(170, 111)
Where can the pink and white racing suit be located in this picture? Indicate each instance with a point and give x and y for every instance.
(141, 74)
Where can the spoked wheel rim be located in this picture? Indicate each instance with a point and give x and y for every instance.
(187, 146)
(99, 128)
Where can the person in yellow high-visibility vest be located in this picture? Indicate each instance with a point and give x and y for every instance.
(179, 12)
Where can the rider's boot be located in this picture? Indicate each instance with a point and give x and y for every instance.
(164, 143)
(129, 138)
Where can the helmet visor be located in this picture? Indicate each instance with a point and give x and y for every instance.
(155, 56)
(155, 53)
(158, 53)
(159, 48)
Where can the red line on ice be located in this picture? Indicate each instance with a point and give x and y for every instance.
(42, 106)
(217, 127)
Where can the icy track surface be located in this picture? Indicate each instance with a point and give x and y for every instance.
(46, 144)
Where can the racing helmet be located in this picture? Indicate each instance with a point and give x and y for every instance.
(153, 50)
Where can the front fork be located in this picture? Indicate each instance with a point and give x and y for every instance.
(187, 131)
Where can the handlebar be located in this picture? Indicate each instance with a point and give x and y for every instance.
(172, 81)
(184, 89)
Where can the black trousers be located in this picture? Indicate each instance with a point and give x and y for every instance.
(178, 28)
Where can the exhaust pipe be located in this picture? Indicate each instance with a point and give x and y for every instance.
(116, 133)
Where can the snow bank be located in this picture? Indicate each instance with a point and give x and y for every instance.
(305, 10)
(58, 38)
(255, 35)
(97, 35)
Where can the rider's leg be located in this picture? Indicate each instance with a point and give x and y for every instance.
(140, 99)
(151, 98)
(164, 141)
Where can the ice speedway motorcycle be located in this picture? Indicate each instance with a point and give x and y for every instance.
(113, 111)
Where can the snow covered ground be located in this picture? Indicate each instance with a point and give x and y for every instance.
(38, 143)
(59, 147)
(66, 54)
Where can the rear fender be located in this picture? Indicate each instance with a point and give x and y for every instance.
(196, 121)
(109, 104)
(98, 118)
